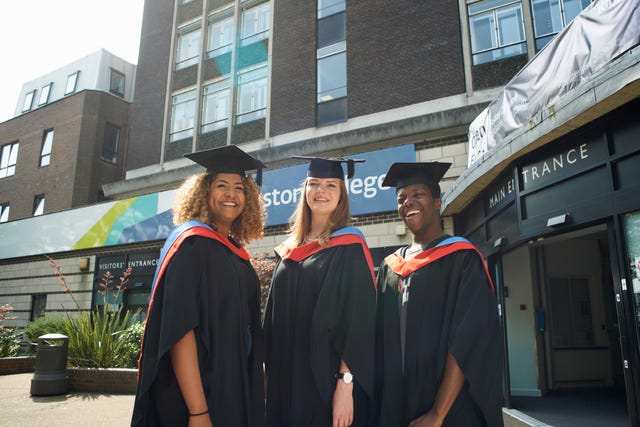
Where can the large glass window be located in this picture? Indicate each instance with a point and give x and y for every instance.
(116, 83)
(110, 143)
(497, 30)
(332, 72)
(252, 94)
(551, 16)
(255, 24)
(72, 83)
(4, 212)
(8, 159)
(631, 223)
(215, 106)
(220, 36)
(47, 144)
(188, 50)
(183, 115)
(44, 94)
(38, 205)
(28, 101)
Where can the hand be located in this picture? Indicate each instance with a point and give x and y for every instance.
(343, 404)
(430, 419)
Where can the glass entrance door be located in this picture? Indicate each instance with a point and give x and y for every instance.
(631, 301)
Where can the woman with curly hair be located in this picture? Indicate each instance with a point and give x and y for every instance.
(319, 320)
(202, 349)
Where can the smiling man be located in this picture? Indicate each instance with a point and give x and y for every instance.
(439, 345)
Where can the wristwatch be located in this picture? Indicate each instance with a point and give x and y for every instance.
(347, 377)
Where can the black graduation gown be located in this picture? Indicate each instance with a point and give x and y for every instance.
(451, 308)
(321, 309)
(213, 291)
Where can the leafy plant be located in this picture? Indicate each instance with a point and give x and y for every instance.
(96, 341)
(9, 337)
(42, 326)
(132, 338)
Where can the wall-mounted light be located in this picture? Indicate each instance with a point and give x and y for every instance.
(500, 242)
(558, 220)
(83, 264)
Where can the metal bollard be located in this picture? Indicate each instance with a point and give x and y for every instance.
(50, 376)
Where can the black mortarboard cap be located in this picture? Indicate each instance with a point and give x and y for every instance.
(402, 174)
(228, 159)
(329, 167)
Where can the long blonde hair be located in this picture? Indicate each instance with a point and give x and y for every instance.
(300, 220)
(191, 204)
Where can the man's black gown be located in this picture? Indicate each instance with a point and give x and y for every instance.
(208, 288)
(451, 309)
(321, 309)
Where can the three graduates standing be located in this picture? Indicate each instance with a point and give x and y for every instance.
(431, 357)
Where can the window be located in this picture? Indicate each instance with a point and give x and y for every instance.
(551, 16)
(188, 47)
(116, 84)
(47, 144)
(38, 305)
(332, 72)
(38, 205)
(329, 7)
(28, 100)
(183, 115)
(110, 143)
(220, 37)
(72, 82)
(4, 212)
(497, 30)
(8, 159)
(215, 106)
(255, 24)
(44, 94)
(252, 94)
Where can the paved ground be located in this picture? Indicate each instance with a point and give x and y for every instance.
(20, 409)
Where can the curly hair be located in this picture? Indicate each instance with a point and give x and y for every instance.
(300, 220)
(191, 204)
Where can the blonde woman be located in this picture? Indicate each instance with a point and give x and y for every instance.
(201, 359)
(319, 321)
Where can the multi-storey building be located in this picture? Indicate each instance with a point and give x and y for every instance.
(67, 137)
(385, 81)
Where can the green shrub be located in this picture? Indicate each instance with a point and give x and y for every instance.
(42, 326)
(9, 342)
(132, 337)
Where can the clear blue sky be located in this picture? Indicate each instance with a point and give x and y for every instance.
(38, 36)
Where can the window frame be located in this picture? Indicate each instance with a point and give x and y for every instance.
(188, 54)
(255, 85)
(211, 93)
(9, 159)
(38, 205)
(46, 148)
(27, 103)
(5, 209)
(72, 82)
(495, 11)
(559, 13)
(109, 154)
(225, 22)
(325, 54)
(189, 101)
(116, 89)
(261, 27)
(45, 94)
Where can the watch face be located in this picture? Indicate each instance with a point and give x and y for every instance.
(347, 377)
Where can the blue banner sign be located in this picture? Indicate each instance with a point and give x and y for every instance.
(282, 188)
